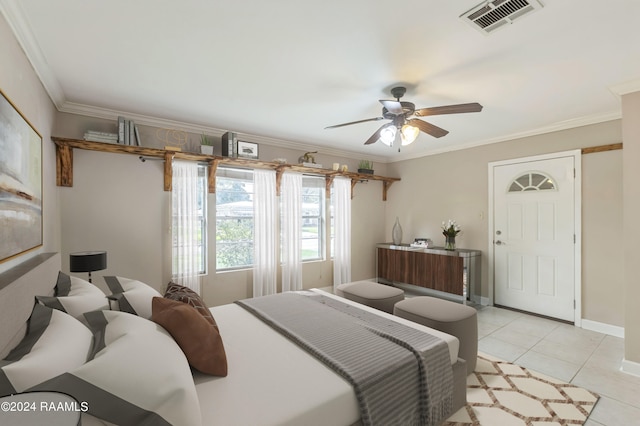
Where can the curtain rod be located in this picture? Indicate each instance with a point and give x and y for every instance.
(143, 159)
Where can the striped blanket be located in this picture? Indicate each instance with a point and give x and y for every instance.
(401, 376)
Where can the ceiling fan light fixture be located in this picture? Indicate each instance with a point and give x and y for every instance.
(408, 134)
(388, 134)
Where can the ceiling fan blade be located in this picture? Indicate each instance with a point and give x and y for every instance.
(449, 109)
(435, 131)
(354, 122)
(374, 138)
(394, 107)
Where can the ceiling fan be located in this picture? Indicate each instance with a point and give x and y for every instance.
(403, 118)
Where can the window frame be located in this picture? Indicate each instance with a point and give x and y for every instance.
(320, 217)
(245, 177)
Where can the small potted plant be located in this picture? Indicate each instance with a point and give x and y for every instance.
(206, 144)
(365, 167)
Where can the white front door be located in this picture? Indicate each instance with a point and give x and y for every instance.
(534, 235)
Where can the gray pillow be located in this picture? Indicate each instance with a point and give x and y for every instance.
(139, 375)
(55, 343)
(75, 296)
(131, 296)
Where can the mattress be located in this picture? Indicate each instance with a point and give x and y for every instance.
(273, 382)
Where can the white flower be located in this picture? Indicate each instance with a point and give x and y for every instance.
(450, 228)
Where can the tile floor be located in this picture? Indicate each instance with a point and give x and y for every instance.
(584, 358)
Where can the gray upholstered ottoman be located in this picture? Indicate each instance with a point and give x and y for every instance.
(449, 317)
(379, 296)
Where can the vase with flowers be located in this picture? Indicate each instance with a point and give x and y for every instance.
(450, 229)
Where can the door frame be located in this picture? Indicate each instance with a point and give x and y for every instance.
(577, 202)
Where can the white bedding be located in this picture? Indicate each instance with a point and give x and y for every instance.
(273, 382)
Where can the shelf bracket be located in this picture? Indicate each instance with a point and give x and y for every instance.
(385, 187)
(354, 182)
(327, 185)
(168, 170)
(279, 172)
(211, 178)
(64, 165)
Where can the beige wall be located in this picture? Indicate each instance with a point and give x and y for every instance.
(631, 220)
(602, 250)
(118, 204)
(21, 85)
(454, 185)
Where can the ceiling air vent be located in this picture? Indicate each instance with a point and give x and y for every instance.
(491, 15)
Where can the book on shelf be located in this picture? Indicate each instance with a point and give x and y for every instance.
(230, 145)
(95, 136)
(138, 140)
(128, 132)
(121, 130)
(132, 135)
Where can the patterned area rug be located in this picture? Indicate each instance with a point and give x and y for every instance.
(501, 393)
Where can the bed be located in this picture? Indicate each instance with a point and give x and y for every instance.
(270, 380)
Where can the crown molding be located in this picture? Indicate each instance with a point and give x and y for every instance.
(14, 15)
(556, 127)
(625, 88)
(111, 114)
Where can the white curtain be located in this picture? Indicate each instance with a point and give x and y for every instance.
(342, 231)
(291, 203)
(264, 232)
(184, 205)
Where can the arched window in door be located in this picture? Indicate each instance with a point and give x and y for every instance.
(532, 181)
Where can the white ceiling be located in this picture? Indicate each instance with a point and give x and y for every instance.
(283, 70)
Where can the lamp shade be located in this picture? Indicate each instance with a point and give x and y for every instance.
(388, 134)
(87, 261)
(408, 134)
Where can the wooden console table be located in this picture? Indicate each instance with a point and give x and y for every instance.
(435, 269)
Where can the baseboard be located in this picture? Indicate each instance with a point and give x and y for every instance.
(480, 300)
(630, 367)
(600, 327)
(484, 301)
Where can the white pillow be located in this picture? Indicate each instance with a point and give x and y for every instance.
(131, 296)
(75, 296)
(55, 343)
(139, 375)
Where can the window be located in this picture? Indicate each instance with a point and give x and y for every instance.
(313, 223)
(190, 226)
(234, 218)
(532, 182)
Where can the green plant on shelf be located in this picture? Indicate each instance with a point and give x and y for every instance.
(206, 140)
(365, 165)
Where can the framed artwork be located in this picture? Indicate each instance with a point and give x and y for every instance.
(248, 150)
(20, 183)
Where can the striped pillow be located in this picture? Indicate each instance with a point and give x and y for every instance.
(75, 296)
(138, 375)
(131, 296)
(55, 343)
(186, 295)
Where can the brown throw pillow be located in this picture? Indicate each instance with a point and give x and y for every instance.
(197, 338)
(190, 297)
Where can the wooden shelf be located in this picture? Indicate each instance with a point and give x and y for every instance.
(64, 164)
